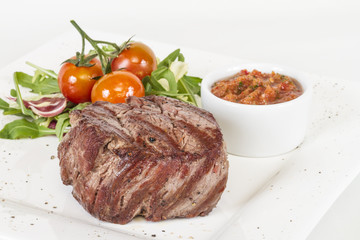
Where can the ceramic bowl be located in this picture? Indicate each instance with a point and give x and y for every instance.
(259, 130)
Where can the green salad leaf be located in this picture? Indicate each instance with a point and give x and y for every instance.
(23, 128)
(31, 125)
(63, 121)
(19, 99)
(9, 110)
(170, 79)
(171, 58)
(43, 82)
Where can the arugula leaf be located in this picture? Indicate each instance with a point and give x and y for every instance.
(168, 75)
(4, 105)
(170, 80)
(13, 111)
(170, 58)
(185, 87)
(151, 81)
(63, 121)
(181, 57)
(44, 71)
(19, 100)
(193, 83)
(80, 106)
(44, 121)
(40, 83)
(13, 93)
(22, 128)
(9, 110)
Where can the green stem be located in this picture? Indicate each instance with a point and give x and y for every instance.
(109, 43)
(105, 57)
(100, 52)
(22, 107)
(82, 50)
(20, 100)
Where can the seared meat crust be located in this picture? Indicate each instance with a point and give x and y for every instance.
(155, 156)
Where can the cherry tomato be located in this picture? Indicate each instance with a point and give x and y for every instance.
(76, 83)
(138, 59)
(116, 86)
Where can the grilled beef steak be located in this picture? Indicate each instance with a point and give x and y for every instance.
(155, 156)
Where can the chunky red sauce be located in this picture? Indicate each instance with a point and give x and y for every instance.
(257, 88)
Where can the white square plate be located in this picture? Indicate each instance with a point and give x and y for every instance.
(278, 198)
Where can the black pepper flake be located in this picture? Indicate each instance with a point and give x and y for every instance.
(153, 235)
(163, 230)
(151, 139)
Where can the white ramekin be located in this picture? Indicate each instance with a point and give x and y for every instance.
(259, 130)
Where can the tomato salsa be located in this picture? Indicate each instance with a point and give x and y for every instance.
(257, 88)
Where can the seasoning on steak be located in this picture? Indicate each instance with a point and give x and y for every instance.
(155, 156)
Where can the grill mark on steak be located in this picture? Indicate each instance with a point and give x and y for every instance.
(120, 182)
(188, 187)
(215, 193)
(166, 145)
(104, 169)
(149, 157)
(103, 116)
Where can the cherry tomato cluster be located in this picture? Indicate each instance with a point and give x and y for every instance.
(88, 83)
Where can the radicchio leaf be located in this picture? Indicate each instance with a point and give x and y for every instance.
(52, 124)
(46, 106)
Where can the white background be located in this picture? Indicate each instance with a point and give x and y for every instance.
(320, 37)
